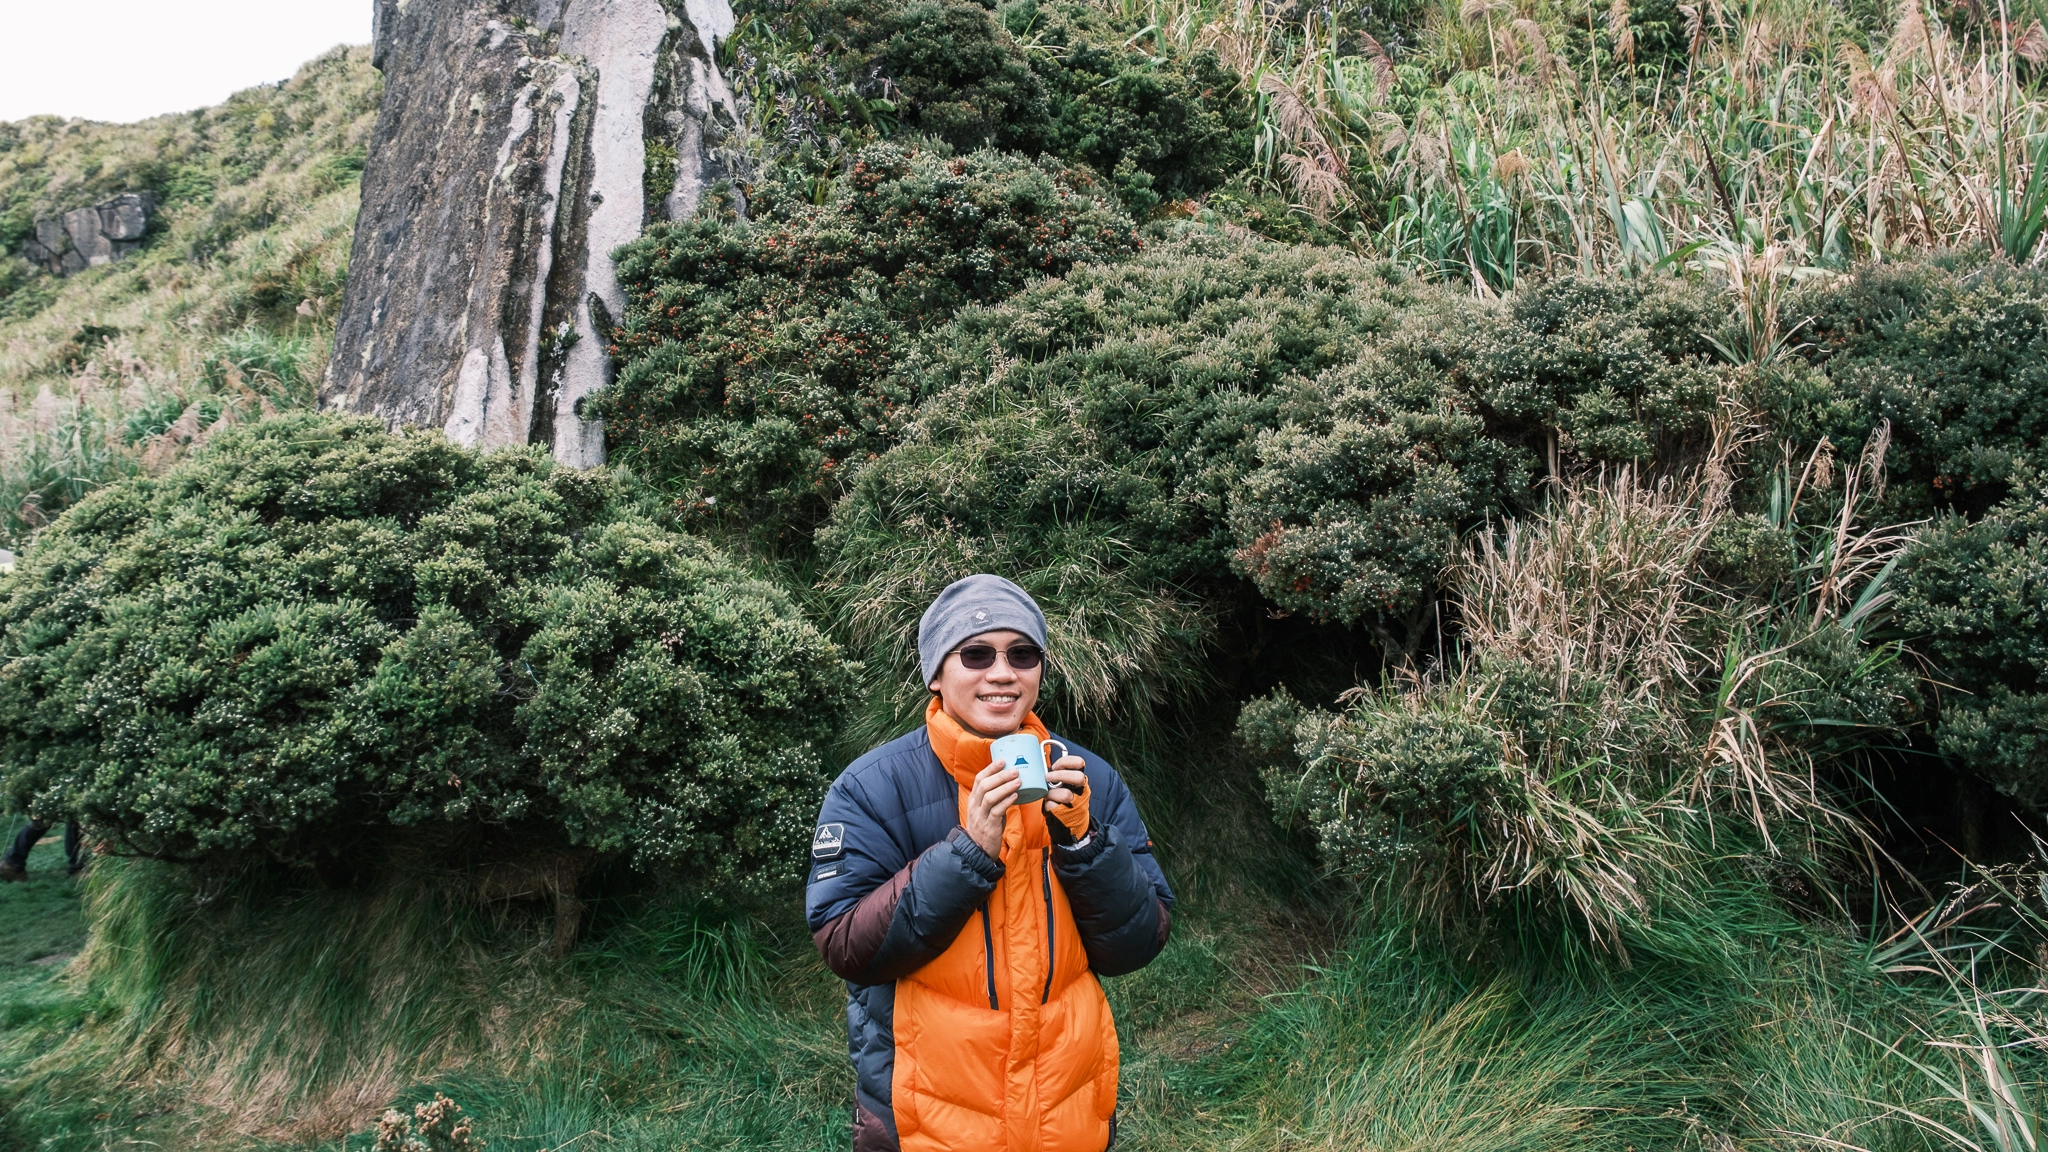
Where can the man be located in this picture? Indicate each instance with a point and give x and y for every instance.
(970, 929)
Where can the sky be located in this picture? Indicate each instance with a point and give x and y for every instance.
(125, 60)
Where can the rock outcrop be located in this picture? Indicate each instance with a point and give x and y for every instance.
(511, 156)
(91, 236)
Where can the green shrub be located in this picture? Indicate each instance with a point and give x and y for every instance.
(1215, 409)
(1354, 510)
(1085, 437)
(1068, 80)
(1612, 371)
(1157, 126)
(313, 634)
(1974, 598)
(1609, 704)
(1360, 495)
(758, 356)
(1953, 353)
(963, 79)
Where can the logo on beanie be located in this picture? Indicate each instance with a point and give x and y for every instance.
(980, 616)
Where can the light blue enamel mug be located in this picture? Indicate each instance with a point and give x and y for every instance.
(1030, 756)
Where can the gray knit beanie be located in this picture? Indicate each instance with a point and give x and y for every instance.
(970, 607)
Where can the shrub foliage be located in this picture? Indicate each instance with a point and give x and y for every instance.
(1975, 598)
(1952, 356)
(1610, 701)
(1067, 80)
(1220, 426)
(759, 355)
(314, 634)
(1172, 449)
(1086, 436)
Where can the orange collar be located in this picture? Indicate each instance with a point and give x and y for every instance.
(962, 752)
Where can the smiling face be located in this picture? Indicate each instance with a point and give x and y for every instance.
(993, 701)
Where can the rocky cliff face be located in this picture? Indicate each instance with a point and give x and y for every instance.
(89, 237)
(512, 154)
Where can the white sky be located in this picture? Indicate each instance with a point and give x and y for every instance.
(124, 60)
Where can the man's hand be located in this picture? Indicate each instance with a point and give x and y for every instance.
(1067, 802)
(995, 789)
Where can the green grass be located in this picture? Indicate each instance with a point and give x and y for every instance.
(266, 1012)
(45, 932)
(1394, 1045)
(41, 1002)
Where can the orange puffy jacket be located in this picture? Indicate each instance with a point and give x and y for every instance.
(983, 971)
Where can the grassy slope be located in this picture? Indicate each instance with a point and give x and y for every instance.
(252, 1013)
(230, 303)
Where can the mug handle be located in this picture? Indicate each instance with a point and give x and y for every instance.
(1045, 746)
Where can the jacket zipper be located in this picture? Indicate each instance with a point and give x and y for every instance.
(1045, 874)
(988, 948)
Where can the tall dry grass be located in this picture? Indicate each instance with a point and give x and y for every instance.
(1501, 144)
(1627, 713)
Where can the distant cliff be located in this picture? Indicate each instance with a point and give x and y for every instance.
(514, 150)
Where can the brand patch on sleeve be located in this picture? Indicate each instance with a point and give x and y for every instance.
(829, 843)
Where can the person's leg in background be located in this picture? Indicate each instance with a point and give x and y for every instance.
(75, 852)
(14, 865)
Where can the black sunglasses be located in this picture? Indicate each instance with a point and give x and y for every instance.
(982, 657)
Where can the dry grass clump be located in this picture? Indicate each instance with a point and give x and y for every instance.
(1617, 702)
(1518, 135)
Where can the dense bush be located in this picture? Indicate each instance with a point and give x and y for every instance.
(1607, 702)
(1218, 431)
(1611, 371)
(1953, 353)
(1086, 436)
(1157, 126)
(1975, 600)
(758, 355)
(961, 77)
(314, 634)
(1067, 80)
(1302, 418)
(1168, 448)
(1358, 498)
(1356, 504)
